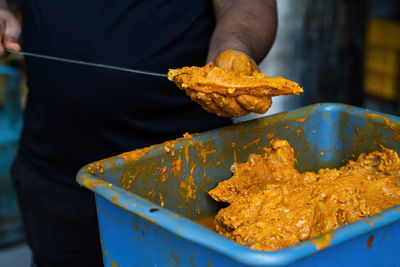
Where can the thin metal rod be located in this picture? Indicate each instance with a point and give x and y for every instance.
(29, 54)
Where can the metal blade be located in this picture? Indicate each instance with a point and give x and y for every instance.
(29, 54)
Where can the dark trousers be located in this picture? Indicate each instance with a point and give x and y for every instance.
(60, 220)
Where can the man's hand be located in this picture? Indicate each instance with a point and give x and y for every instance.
(249, 28)
(10, 30)
(232, 106)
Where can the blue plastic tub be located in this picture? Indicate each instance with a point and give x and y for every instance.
(11, 228)
(131, 189)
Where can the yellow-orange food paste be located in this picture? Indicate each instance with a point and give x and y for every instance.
(273, 206)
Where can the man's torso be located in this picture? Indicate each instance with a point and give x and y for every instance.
(77, 114)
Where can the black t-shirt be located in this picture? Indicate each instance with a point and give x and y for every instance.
(78, 114)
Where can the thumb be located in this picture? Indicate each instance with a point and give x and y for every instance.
(236, 61)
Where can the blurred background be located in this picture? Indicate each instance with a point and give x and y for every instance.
(345, 51)
(338, 51)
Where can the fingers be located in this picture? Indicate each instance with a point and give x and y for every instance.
(255, 104)
(12, 45)
(12, 33)
(224, 106)
(10, 30)
(206, 102)
(229, 105)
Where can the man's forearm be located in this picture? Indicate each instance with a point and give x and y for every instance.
(245, 25)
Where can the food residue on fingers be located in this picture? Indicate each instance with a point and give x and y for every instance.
(232, 86)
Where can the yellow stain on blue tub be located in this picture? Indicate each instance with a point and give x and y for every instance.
(323, 241)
